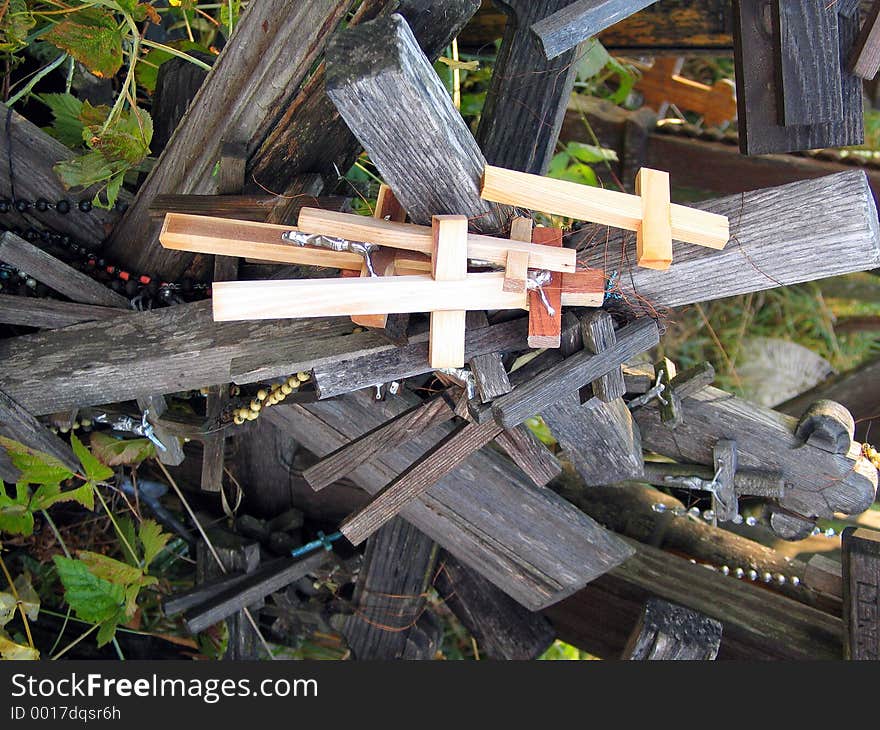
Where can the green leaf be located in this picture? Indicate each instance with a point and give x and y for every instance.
(27, 596)
(93, 38)
(68, 125)
(36, 467)
(224, 13)
(115, 452)
(86, 170)
(114, 571)
(7, 608)
(94, 470)
(93, 599)
(108, 630)
(14, 26)
(147, 70)
(10, 651)
(15, 517)
(592, 60)
(153, 540)
(589, 153)
(128, 535)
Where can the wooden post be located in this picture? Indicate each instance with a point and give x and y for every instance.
(527, 95)
(861, 593)
(377, 64)
(669, 632)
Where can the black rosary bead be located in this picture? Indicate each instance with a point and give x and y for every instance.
(117, 286)
(64, 240)
(21, 206)
(62, 206)
(5, 205)
(31, 234)
(186, 285)
(131, 287)
(41, 290)
(85, 205)
(42, 205)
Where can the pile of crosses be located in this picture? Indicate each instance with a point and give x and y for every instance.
(411, 409)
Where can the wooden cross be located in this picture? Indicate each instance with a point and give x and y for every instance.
(661, 84)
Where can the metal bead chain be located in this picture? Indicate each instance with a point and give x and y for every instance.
(708, 515)
(266, 398)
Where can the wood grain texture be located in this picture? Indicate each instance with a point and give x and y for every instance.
(502, 628)
(527, 95)
(667, 632)
(580, 20)
(382, 365)
(449, 262)
(807, 62)
(569, 376)
(34, 154)
(167, 350)
(541, 547)
(598, 334)
(437, 462)
(390, 594)
(654, 235)
(545, 325)
(864, 61)
(380, 81)
(836, 211)
(765, 439)
(861, 593)
(55, 274)
(310, 135)
(49, 313)
(757, 85)
(367, 447)
(525, 450)
(283, 41)
(256, 208)
(490, 377)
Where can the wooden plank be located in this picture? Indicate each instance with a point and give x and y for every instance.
(253, 91)
(552, 385)
(167, 350)
(598, 334)
(449, 263)
(311, 136)
(297, 298)
(437, 462)
(377, 66)
(254, 208)
(757, 88)
(765, 439)
(861, 593)
(581, 20)
(516, 270)
(608, 207)
(835, 210)
(34, 154)
(365, 448)
(545, 325)
(390, 595)
(654, 235)
(808, 62)
(55, 274)
(669, 632)
(865, 59)
(583, 288)
(529, 542)
(219, 236)
(502, 628)
(363, 370)
(49, 313)
(490, 377)
(20, 425)
(529, 454)
(527, 93)
(412, 237)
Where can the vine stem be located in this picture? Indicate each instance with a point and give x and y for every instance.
(116, 527)
(74, 643)
(18, 603)
(174, 52)
(42, 73)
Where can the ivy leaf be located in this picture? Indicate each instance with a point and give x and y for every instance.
(153, 540)
(93, 38)
(115, 452)
(36, 467)
(67, 126)
(95, 471)
(10, 651)
(93, 599)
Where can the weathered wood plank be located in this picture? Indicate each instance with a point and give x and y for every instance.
(580, 20)
(252, 89)
(376, 71)
(861, 593)
(55, 274)
(836, 211)
(669, 632)
(541, 547)
(865, 59)
(502, 628)
(490, 377)
(529, 454)
(390, 594)
(817, 483)
(49, 313)
(167, 350)
(527, 95)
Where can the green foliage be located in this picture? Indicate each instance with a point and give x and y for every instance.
(92, 37)
(599, 74)
(15, 23)
(573, 162)
(560, 651)
(147, 70)
(23, 597)
(121, 452)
